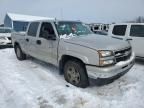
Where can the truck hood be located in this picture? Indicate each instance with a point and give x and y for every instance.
(98, 42)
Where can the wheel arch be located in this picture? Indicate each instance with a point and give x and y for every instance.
(16, 43)
(65, 58)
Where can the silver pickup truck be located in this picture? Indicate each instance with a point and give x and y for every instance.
(77, 52)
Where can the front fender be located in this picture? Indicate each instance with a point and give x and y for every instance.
(79, 56)
(85, 56)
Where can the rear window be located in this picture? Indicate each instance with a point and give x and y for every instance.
(33, 29)
(137, 31)
(119, 30)
(5, 30)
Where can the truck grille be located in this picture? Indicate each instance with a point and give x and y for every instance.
(123, 55)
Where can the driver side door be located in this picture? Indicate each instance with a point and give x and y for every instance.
(44, 42)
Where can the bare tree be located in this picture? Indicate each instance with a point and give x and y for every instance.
(139, 19)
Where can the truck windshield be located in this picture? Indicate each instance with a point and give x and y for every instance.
(5, 30)
(74, 28)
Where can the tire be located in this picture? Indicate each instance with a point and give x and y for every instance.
(19, 54)
(75, 73)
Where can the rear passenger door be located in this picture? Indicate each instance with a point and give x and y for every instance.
(137, 35)
(31, 39)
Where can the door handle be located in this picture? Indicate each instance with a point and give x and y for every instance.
(38, 42)
(117, 38)
(27, 40)
(129, 39)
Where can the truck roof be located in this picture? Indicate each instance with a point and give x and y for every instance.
(20, 17)
(55, 20)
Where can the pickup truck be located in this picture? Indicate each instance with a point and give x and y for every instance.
(132, 32)
(71, 46)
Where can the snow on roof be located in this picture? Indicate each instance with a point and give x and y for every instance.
(20, 17)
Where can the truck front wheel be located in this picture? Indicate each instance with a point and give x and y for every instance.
(20, 55)
(75, 73)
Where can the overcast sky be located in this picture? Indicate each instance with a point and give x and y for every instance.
(104, 11)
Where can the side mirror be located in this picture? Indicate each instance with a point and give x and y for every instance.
(51, 37)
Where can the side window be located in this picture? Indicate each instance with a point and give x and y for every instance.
(32, 31)
(119, 30)
(46, 30)
(137, 31)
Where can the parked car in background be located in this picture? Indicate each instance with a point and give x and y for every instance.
(132, 32)
(99, 27)
(5, 36)
(79, 53)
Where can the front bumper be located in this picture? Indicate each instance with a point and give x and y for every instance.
(107, 72)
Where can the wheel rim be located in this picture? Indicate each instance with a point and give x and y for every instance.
(73, 75)
(18, 52)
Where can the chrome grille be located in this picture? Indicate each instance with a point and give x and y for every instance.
(123, 55)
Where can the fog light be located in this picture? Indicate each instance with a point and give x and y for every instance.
(106, 62)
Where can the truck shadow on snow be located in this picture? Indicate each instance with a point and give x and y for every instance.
(46, 66)
(6, 46)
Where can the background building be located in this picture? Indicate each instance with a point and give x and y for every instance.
(20, 22)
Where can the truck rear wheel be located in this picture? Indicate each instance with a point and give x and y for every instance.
(20, 55)
(75, 73)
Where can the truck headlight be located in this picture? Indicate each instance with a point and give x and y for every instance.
(106, 57)
(105, 53)
(106, 62)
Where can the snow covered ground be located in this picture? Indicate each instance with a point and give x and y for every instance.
(34, 84)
